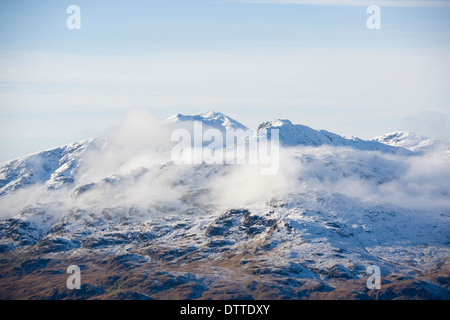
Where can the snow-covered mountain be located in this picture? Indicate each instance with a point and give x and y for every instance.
(140, 226)
(210, 119)
(413, 142)
(57, 167)
(54, 168)
(296, 134)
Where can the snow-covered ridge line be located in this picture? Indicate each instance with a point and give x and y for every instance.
(296, 134)
(57, 167)
(412, 141)
(335, 206)
(212, 119)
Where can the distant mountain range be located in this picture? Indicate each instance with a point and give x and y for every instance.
(56, 167)
(140, 226)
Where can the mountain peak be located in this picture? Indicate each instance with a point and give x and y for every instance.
(274, 124)
(213, 119)
(281, 122)
(410, 141)
(212, 114)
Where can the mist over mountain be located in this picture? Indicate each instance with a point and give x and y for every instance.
(122, 208)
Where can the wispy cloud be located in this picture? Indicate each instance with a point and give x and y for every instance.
(383, 3)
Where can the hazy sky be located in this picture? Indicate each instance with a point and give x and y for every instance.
(318, 65)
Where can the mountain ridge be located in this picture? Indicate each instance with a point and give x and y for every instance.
(296, 134)
(141, 226)
(59, 164)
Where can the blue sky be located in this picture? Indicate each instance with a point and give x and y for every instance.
(318, 65)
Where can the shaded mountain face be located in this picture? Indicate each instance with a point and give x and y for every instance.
(142, 227)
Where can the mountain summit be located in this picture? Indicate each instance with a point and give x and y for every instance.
(211, 119)
(412, 141)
